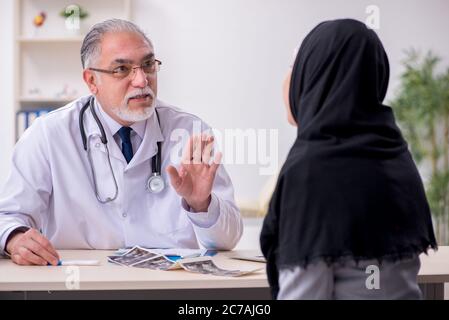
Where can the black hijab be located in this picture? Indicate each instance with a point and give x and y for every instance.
(349, 187)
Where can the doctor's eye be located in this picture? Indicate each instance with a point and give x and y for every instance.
(148, 63)
(151, 66)
(122, 71)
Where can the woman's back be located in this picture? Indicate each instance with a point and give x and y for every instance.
(349, 188)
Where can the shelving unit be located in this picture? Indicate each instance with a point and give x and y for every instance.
(75, 39)
(47, 67)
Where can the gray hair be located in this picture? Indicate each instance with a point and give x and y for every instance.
(90, 49)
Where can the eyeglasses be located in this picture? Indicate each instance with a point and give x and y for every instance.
(149, 67)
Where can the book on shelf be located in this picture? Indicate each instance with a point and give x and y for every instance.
(26, 117)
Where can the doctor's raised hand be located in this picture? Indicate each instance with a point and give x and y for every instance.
(194, 178)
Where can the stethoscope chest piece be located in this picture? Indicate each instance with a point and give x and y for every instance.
(155, 183)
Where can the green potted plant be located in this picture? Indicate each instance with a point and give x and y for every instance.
(422, 109)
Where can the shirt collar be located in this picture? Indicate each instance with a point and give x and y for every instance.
(138, 127)
(153, 133)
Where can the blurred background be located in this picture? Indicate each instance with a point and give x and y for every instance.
(225, 61)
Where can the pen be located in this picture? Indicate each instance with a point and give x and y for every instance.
(78, 263)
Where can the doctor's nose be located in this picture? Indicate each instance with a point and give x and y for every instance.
(139, 78)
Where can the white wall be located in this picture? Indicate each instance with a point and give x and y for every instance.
(225, 59)
(6, 88)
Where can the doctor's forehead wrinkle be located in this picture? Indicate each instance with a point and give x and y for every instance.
(130, 61)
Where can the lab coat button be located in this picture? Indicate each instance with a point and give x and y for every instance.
(124, 215)
(97, 145)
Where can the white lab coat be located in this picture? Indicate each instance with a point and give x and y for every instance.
(50, 188)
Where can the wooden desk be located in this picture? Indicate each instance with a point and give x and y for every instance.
(434, 273)
(110, 281)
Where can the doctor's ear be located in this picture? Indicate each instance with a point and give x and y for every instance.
(91, 80)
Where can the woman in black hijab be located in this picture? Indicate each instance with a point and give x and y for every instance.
(349, 198)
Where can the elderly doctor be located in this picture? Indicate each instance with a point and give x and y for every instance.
(90, 175)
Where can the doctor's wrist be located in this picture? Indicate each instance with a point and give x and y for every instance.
(14, 235)
(199, 206)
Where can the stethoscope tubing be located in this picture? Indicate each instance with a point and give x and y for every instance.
(155, 160)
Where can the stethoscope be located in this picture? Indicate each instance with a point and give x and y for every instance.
(155, 182)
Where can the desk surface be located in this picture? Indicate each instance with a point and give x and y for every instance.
(108, 276)
(435, 266)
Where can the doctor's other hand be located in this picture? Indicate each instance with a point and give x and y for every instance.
(31, 248)
(194, 178)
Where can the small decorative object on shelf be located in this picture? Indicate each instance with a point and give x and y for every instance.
(73, 15)
(34, 92)
(38, 21)
(66, 93)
